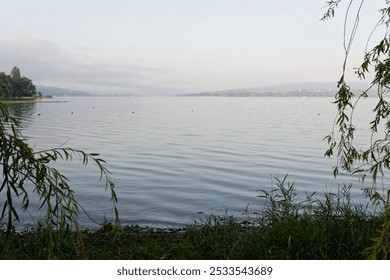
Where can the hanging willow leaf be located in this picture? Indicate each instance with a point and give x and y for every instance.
(21, 164)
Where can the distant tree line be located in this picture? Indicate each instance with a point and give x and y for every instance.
(16, 86)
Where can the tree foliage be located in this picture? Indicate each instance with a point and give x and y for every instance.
(5, 86)
(16, 86)
(374, 160)
(15, 73)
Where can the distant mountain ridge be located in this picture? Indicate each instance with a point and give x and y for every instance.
(56, 91)
(290, 89)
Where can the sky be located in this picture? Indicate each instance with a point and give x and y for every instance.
(168, 47)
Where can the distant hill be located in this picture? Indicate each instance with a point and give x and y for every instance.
(55, 91)
(292, 89)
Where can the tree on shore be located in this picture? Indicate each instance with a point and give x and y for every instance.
(15, 85)
(5, 85)
(15, 73)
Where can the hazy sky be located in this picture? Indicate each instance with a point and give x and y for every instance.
(176, 46)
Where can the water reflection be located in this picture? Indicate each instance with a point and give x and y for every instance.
(23, 112)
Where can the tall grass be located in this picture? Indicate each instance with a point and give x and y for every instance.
(329, 227)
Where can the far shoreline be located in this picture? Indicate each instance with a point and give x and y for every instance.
(25, 99)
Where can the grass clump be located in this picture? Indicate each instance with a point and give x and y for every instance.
(331, 228)
(286, 229)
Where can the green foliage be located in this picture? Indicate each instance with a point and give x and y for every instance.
(23, 168)
(15, 73)
(380, 249)
(332, 5)
(328, 228)
(373, 160)
(16, 86)
(280, 202)
(5, 86)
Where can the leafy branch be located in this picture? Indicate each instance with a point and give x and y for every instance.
(22, 165)
(375, 159)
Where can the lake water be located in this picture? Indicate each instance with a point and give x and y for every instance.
(176, 159)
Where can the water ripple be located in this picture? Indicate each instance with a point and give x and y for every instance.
(171, 158)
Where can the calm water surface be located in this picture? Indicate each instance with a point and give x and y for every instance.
(175, 159)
